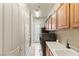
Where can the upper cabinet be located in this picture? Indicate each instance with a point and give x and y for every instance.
(49, 24)
(63, 16)
(74, 15)
(46, 25)
(53, 22)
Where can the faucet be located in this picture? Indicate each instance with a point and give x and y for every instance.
(67, 45)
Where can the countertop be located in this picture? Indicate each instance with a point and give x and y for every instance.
(60, 50)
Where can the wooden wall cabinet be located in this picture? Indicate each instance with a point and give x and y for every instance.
(66, 16)
(46, 25)
(63, 16)
(49, 24)
(74, 15)
(60, 19)
(53, 24)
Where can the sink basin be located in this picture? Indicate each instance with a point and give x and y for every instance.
(55, 46)
(67, 52)
(60, 50)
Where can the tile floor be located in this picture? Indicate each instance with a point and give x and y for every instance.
(35, 50)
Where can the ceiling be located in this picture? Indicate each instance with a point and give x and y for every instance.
(45, 8)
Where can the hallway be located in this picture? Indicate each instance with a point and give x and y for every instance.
(39, 29)
(20, 28)
(35, 50)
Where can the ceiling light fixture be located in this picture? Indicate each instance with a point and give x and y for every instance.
(37, 12)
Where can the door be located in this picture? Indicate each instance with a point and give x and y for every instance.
(63, 16)
(74, 15)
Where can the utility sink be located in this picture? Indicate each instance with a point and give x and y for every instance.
(60, 50)
(67, 52)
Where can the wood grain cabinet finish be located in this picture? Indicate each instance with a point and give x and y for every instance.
(49, 24)
(48, 52)
(63, 16)
(53, 22)
(74, 15)
(46, 25)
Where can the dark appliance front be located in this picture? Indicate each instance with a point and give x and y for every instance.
(46, 36)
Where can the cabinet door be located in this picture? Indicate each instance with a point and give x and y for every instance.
(63, 16)
(1, 28)
(49, 23)
(74, 15)
(45, 25)
(51, 54)
(47, 51)
(53, 18)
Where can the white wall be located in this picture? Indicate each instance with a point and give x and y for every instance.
(13, 19)
(7, 12)
(1, 28)
(72, 35)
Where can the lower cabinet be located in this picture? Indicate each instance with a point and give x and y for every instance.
(48, 51)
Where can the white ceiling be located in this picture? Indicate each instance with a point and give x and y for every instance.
(45, 8)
